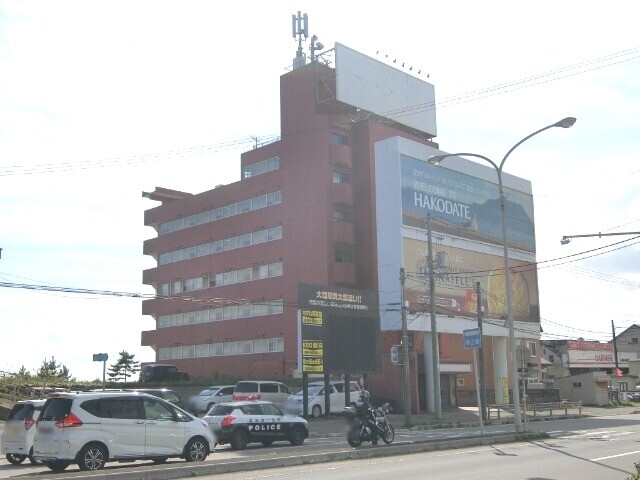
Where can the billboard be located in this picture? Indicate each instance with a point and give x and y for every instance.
(338, 329)
(463, 205)
(456, 283)
(376, 87)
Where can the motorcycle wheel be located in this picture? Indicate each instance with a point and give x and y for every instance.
(354, 438)
(389, 434)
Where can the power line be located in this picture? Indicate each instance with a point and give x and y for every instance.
(234, 144)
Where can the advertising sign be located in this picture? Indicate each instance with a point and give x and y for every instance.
(463, 205)
(456, 282)
(371, 85)
(338, 329)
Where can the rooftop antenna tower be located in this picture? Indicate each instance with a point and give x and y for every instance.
(300, 24)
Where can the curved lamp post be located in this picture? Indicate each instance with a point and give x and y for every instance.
(436, 159)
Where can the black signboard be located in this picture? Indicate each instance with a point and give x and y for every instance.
(339, 329)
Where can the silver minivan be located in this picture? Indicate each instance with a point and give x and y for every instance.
(92, 428)
(19, 430)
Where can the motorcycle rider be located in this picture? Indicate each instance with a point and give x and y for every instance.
(365, 398)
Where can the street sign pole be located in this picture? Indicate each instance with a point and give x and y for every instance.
(472, 339)
(102, 357)
(475, 369)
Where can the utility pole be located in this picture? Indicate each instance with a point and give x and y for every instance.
(483, 388)
(615, 347)
(435, 353)
(406, 381)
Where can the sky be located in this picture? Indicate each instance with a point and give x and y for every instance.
(100, 101)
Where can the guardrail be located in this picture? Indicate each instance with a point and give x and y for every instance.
(538, 407)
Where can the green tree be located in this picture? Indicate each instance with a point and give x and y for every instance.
(125, 367)
(52, 371)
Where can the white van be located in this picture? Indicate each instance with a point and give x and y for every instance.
(19, 430)
(315, 403)
(274, 392)
(92, 428)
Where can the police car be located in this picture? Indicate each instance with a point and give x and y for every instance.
(243, 422)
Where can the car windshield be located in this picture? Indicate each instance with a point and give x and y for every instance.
(20, 411)
(221, 410)
(246, 387)
(207, 393)
(56, 409)
(313, 390)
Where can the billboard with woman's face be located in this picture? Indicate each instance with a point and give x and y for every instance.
(456, 279)
(463, 205)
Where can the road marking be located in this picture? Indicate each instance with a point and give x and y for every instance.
(615, 456)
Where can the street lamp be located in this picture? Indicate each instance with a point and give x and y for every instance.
(567, 238)
(435, 160)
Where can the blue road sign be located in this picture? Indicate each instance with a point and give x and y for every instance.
(472, 338)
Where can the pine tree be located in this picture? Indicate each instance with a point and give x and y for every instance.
(124, 368)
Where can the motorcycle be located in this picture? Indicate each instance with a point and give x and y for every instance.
(367, 424)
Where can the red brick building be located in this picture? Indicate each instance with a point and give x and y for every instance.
(306, 210)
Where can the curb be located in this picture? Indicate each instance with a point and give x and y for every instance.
(193, 470)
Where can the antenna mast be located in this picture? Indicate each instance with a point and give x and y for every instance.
(300, 28)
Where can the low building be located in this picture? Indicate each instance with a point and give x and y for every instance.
(590, 388)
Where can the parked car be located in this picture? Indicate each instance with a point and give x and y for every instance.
(165, 394)
(274, 392)
(633, 396)
(92, 428)
(17, 437)
(316, 399)
(240, 423)
(209, 397)
(158, 372)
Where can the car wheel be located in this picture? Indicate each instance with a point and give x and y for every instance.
(239, 440)
(33, 460)
(158, 461)
(316, 411)
(297, 436)
(15, 459)
(196, 450)
(92, 457)
(268, 442)
(57, 465)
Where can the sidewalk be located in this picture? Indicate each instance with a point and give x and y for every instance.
(456, 417)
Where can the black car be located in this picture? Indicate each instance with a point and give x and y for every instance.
(158, 372)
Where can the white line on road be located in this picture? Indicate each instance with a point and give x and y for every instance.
(615, 456)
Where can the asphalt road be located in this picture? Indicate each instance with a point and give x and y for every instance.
(598, 454)
(592, 439)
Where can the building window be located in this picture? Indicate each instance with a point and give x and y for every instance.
(551, 358)
(339, 139)
(242, 347)
(624, 387)
(460, 381)
(633, 340)
(342, 216)
(344, 256)
(245, 240)
(532, 348)
(261, 167)
(340, 177)
(576, 384)
(230, 210)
